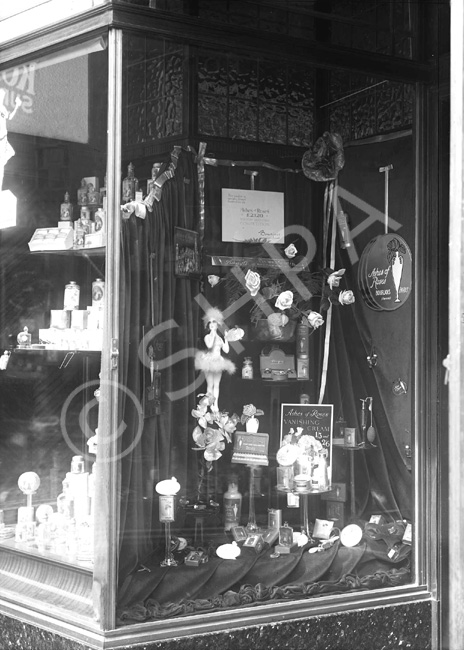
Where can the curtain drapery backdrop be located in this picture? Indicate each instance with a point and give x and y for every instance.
(161, 307)
(383, 479)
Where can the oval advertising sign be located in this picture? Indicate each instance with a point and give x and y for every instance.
(385, 272)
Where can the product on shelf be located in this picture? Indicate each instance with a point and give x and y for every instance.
(68, 530)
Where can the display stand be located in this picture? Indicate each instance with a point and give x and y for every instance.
(304, 505)
(351, 453)
(168, 556)
(251, 526)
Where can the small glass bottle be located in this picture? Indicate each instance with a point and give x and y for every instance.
(71, 296)
(24, 338)
(130, 185)
(247, 368)
(322, 471)
(232, 506)
(82, 198)
(93, 195)
(285, 535)
(66, 208)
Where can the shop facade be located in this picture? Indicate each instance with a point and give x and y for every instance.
(224, 270)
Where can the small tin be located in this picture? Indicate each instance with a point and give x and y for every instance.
(350, 437)
(86, 225)
(85, 213)
(79, 235)
(71, 296)
(304, 398)
(195, 558)
(274, 518)
(293, 500)
(98, 293)
(166, 508)
(93, 195)
(239, 533)
(255, 542)
(270, 536)
(100, 219)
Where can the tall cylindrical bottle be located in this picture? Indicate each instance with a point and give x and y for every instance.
(71, 296)
(232, 506)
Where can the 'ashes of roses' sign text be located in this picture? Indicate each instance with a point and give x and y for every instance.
(315, 420)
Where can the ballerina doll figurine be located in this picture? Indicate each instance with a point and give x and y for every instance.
(211, 361)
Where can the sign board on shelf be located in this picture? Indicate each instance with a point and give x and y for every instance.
(315, 421)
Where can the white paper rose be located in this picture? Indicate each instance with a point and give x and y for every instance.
(346, 297)
(334, 278)
(315, 319)
(252, 282)
(290, 251)
(213, 280)
(284, 300)
(278, 320)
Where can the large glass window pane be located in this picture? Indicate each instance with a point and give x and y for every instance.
(52, 283)
(257, 285)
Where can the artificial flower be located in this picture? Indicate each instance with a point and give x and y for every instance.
(214, 280)
(250, 411)
(314, 319)
(334, 278)
(252, 282)
(346, 297)
(289, 287)
(291, 251)
(205, 399)
(277, 320)
(213, 429)
(309, 443)
(284, 300)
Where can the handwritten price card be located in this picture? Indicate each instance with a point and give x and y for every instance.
(252, 216)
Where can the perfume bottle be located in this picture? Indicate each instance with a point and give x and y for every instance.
(232, 506)
(66, 208)
(93, 195)
(247, 368)
(130, 185)
(24, 338)
(82, 198)
(285, 535)
(71, 296)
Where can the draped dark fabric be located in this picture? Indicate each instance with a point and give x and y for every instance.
(383, 480)
(159, 306)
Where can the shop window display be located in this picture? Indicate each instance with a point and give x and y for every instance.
(320, 496)
(262, 457)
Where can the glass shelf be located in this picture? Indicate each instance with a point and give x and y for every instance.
(98, 251)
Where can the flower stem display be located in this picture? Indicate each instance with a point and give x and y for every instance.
(250, 417)
(286, 291)
(213, 430)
